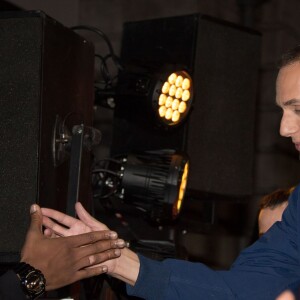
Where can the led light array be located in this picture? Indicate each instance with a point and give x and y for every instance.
(175, 96)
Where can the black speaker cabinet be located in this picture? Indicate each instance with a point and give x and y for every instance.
(218, 136)
(46, 79)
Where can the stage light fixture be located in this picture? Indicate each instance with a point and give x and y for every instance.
(152, 181)
(165, 97)
(172, 97)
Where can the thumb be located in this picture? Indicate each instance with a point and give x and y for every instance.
(36, 219)
(84, 215)
(86, 218)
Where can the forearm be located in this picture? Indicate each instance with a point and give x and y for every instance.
(176, 280)
(127, 268)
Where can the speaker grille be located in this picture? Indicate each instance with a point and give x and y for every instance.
(42, 66)
(219, 134)
(20, 68)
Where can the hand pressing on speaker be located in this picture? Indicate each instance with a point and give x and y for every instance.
(65, 260)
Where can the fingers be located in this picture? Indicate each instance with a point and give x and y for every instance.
(86, 218)
(54, 227)
(36, 219)
(59, 217)
(90, 272)
(50, 234)
(98, 253)
(99, 258)
(34, 232)
(91, 238)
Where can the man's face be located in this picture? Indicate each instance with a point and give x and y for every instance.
(268, 216)
(288, 98)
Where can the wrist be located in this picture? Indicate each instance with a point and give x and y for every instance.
(32, 281)
(127, 267)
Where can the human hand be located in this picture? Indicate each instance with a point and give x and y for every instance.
(67, 259)
(65, 225)
(71, 226)
(126, 267)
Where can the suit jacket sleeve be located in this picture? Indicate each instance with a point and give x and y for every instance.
(261, 272)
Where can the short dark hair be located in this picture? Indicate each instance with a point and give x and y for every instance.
(276, 198)
(290, 56)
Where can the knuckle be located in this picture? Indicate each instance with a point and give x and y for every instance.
(92, 237)
(104, 256)
(113, 244)
(99, 247)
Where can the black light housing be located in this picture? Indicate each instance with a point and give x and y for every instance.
(155, 181)
(152, 181)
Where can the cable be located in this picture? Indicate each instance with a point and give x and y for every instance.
(97, 31)
(105, 171)
(105, 38)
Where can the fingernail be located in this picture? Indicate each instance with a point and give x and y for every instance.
(120, 243)
(33, 208)
(117, 252)
(113, 235)
(104, 269)
(92, 259)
